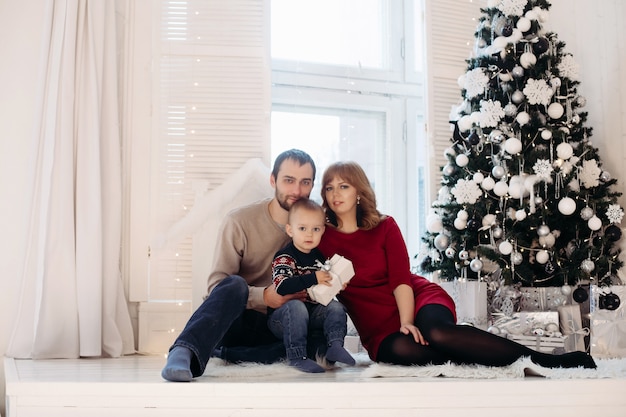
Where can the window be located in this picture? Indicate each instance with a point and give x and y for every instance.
(346, 87)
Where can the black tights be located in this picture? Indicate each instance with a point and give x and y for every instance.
(464, 344)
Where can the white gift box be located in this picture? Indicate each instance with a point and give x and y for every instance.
(341, 271)
(470, 300)
(608, 327)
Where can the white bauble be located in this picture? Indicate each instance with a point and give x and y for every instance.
(505, 77)
(517, 71)
(594, 223)
(449, 152)
(501, 188)
(517, 258)
(476, 265)
(528, 59)
(505, 247)
(547, 241)
(434, 223)
(517, 97)
(487, 184)
(489, 220)
(441, 241)
(513, 146)
(462, 160)
(498, 171)
(522, 118)
(523, 24)
(460, 224)
(543, 230)
(542, 256)
(566, 290)
(478, 177)
(564, 150)
(555, 110)
(567, 206)
(546, 134)
(461, 81)
(586, 213)
(465, 123)
(510, 110)
(462, 214)
(555, 82)
(450, 252)
(520, 214)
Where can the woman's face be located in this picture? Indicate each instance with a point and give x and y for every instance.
(341, 197)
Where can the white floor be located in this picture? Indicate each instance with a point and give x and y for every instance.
(132, 386)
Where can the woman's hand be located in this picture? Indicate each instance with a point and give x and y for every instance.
(274, 300)
(417, 335)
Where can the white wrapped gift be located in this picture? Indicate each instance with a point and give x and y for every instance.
(470, 299)
(608, 327)
(341, 271)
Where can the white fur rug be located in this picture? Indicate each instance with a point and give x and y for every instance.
(607, 368)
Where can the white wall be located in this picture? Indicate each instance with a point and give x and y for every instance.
(593, 32)
(20, 31)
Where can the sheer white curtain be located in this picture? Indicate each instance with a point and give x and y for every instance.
(72, 302)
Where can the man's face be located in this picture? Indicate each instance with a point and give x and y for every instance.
(294, 181)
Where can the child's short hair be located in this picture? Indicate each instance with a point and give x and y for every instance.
(305, 204)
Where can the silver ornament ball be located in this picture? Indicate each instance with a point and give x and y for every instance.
(476, 265)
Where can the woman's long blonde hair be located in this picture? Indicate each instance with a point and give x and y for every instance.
(367, 215)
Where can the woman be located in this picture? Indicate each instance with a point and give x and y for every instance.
(403, 318)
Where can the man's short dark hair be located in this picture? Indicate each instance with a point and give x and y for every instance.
(297, 155)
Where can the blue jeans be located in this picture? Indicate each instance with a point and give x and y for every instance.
(295, 318)
(223, 320)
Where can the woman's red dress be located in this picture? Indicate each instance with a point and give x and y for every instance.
(381, 263)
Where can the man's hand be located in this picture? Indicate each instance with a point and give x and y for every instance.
(274, 300)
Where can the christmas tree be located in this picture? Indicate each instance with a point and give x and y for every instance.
(524, 192)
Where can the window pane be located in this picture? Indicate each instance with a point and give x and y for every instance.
(333, 32)
(331, 135)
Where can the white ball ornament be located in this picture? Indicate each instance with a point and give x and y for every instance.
(505, 247)
(462, 160)
(542, 256)
(522, 118)
(464, 255)
(450, 252)
(465, 123)
(543, 230)
(476, 265)
(441, 241)
(505, 77)
(517, 258)
(449, 152)
(497, 232)
(488, 183)
(566, 290)
(498, 171)
(434, 223)
(517, 71)
(594, 223)
(520, 215)
(523, 24)
(448, 169)
(528, 59)
(460, 224)
(546, 134)
(513, 146)
(567, 206)
(564, 150)
(555, 82)
(462, 214)
(556, 110)
(478, 177)
(547, 241)
(489, 220)
(510, 110)
(501, 188)
(517, 97)
(586, 213)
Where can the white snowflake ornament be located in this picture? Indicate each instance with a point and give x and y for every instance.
(568, 67)
(491, 112)
(475, 82)
(466, 191)
(512, 7)
(589, 174)
(538, 92)
(543, 169)
(614, 213)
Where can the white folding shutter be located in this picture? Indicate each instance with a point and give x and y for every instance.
(449, 38)
(211, 107)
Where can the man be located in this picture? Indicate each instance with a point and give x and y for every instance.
(233, 315)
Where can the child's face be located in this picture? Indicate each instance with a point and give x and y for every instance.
(306, 229)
